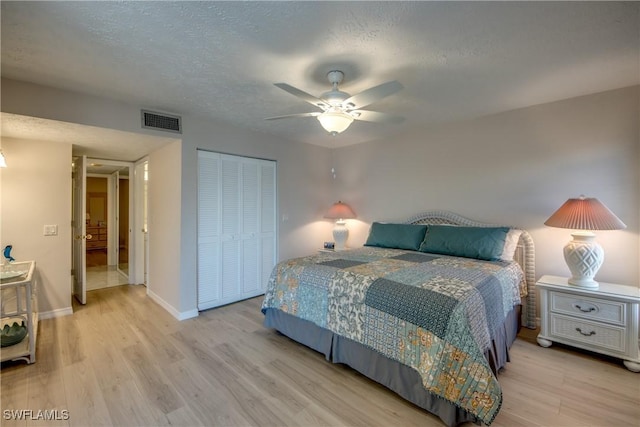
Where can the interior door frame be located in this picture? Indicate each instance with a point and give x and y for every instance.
(114, 209)
(112, 204)
(79, 243)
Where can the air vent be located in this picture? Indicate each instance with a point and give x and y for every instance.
(161, 121)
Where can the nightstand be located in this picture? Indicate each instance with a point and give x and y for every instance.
(603, 320)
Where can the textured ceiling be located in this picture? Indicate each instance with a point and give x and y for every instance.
(456, 60)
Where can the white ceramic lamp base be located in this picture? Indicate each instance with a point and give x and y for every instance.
(340, 235)
(584, 256)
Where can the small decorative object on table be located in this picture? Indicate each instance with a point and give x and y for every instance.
(7, 253)
(11, 335)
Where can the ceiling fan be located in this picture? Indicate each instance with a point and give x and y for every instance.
(339, 109)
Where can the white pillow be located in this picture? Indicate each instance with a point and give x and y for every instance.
(510, 244)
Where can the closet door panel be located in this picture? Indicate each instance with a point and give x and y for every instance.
(230, 271)
(208, 268)
(250, 198)
(208, 274)
(230, 196)
(268, 257)
(268, 197)
(208, 195)
(250, 277)
(236, 227)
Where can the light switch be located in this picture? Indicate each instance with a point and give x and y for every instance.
(50, 230)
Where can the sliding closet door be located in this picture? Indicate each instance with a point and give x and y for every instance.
(236, 227)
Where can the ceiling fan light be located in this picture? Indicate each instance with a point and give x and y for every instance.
(335, 122)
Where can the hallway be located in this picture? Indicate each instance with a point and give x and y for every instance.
(103, 276)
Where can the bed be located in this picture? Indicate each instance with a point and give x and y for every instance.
(428, 308)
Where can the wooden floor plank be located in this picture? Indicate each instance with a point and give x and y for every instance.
(14, 389)
(83, 395)
(149, 378)
(47, 393)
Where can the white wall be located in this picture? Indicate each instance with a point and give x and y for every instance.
(163, 281)
(513, 168)
(36, 191)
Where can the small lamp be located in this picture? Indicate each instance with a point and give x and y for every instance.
(340, 211)
(583, 254)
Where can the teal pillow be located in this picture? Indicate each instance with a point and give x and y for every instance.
(397, 236)
(486, 243)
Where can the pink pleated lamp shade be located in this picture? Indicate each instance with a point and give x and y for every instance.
(340, 210)
(585, 213)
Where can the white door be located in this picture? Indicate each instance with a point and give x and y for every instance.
(139, 268)
(79, 229)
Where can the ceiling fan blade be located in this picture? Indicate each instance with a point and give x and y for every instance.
(303, 95)
(288, 116)
(371, 95)
(374, 116)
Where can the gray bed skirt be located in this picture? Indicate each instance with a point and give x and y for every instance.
(399, 378)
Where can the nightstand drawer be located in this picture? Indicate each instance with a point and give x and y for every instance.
(589, 308)
(591, 333)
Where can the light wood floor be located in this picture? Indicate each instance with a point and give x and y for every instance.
(122, 360)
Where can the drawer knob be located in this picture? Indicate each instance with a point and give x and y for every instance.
(585, 310)
(586, 334)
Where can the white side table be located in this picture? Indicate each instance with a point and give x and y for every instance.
(603, 320)
(19, 303)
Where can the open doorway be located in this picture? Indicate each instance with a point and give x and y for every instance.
(109, 203)
(97, 219)
(108, 214)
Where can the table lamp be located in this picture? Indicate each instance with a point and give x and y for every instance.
(340, 211)
(583, 254)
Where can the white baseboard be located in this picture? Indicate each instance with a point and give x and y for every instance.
(188, 314)
(60, 312)
(184, 315)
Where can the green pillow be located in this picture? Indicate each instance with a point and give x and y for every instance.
(397, 236)
(486, 243)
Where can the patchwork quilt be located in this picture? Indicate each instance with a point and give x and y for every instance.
(434, 313)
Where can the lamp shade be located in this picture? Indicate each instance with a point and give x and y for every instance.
(585, 213)
(3, 162)
(583, 255)
(340, 210)
(335, 122)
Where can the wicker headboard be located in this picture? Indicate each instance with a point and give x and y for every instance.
(524, 255)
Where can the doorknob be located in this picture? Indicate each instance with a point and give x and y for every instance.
(89, 237)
